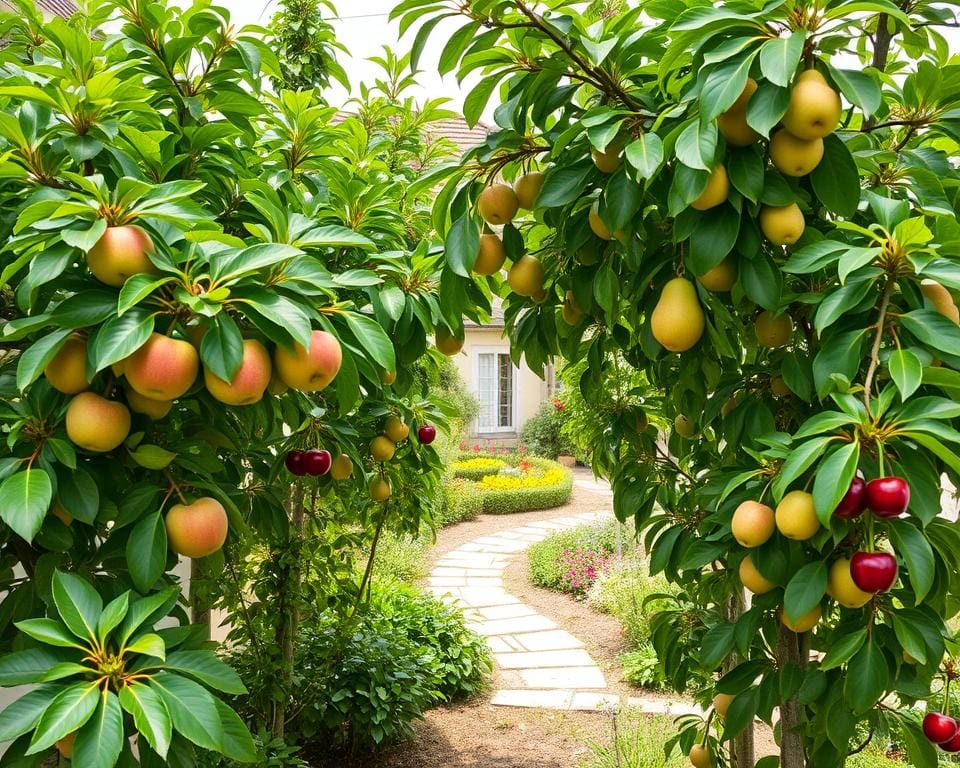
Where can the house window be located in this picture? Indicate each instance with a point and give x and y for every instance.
(496, 385)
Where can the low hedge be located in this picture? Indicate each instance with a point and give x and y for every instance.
(462, 500)
(508, 494)
(477, 467)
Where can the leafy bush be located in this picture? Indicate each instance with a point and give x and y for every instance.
(547, 565)
(459, 659)
(400, 557)
(642, 667)
(636, 742)
(581, 568)
(621, 591)
(477, 468)
(463, 500)
(362, 682)
(543, 434)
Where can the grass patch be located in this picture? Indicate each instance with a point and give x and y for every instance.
(635, 742)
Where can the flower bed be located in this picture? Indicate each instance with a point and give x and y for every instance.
(512, 482)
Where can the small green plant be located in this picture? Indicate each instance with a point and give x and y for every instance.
(642, 668)
(624, 590)
(400, 557)
(543, 435)
(462, 500)
(95, 662)
(636, 741)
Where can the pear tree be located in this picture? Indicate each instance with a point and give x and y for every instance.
(753, 204)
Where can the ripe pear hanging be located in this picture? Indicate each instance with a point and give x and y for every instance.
(678, 321)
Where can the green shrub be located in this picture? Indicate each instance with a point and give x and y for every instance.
(477, 467)
(459, 659)
(540, 484)
(400, 557)
(362, 682)
(462, 500)
(547, 567)
(872, 757)
(542, 435)
(642, 668)
(636, 742)
(621, 592)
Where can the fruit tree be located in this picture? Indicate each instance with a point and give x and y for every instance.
(753, 203)
(211, 305)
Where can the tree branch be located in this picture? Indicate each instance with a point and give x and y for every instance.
(875, 351)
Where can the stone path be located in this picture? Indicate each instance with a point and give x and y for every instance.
(541, 665)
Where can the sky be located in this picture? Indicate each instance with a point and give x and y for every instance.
(364, 29)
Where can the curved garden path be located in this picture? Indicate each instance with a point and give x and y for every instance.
(539, 664)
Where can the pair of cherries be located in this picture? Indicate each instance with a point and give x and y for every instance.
(314, 462)
(885, 497)
(942, 730)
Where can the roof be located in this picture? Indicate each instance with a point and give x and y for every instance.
(460, 133)
(496, 316)
(65, 8)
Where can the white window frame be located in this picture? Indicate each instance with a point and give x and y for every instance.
(515, 411)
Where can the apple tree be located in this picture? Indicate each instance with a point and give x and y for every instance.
(207, 318)
(754, 205)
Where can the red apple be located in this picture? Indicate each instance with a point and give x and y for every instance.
(854, 500)
(294, 462)
(939, 728)
(317, 462)
(427, 434)
(951, 745)
(888, 496)
(873, 571)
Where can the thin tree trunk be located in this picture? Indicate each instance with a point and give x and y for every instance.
(742, 747)
(789, 653)
(288, 611)
(199, 597)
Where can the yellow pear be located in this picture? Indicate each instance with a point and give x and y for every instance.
(341, 468)
(600, 229)
(498, 204)
(721, 278)
(380, 489)
(804, 623)
(716, 191)
(571, 312)
(722, 702)
(526, 276)
(779, 388)
(938, 296)
(796, 516)
(67, 371)
(677, 322)
(773, 331)
(382, 448)
(527, 187)
(752, 579)
(447, 343)
(793, 156)
(842, 588)
(733, 123)
(814, 108)
(700, 757)
(684, 427)
(609, 159)
(752, 524)
(782, 224)
(491, 256)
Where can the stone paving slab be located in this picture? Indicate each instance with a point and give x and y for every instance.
(533, 623)
(552, 640)
(567, 678)
(544, 659)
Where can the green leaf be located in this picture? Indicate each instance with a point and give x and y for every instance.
(745, 168)
(910, 543)
(152, 456)
(147, 551)
(645, 155)
(713, 238)
(562, 184)
(839, 302)
(920, 750)
(119, 337)
(697, 144)
(29, 666)
(38, 355)
(805, 590)
(137, 288)
(623, 199)
(279, 310)
(113, 613)
(836, 180)
(69, 710)
(814, 257)
(205, 667)
(24, 500)
(192, 709)
(149, 715)
(717, 644)
(78, 603)
(150, 644)
(910, 638)
(22, 715)
(462, 245)
(906, 370)
(372, 339)
(238, 744)
(859, 88)
(844, 649)
(840, 354)
(799, 460)
(606, 291)
(933, 330)
(723, 86)
(100, 741)
(226, 268)
(49, 631)
(767, 105)
(77, 491)
(833, 479)
(742, 711)
(221, 349)
(780, 57)
(867, 678)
